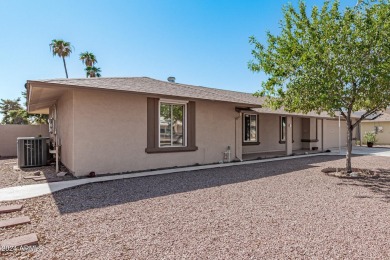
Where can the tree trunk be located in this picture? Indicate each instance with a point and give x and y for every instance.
(66, 71)
(349, 144)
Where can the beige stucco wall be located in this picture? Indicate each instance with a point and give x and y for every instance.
(105, 132)
(9, 134)
(64, 127)
(383, 137)
(331, 133)
(110, 134)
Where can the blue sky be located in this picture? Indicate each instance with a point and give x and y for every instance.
(199, 42)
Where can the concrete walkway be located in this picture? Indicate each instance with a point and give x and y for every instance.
(36, 190)
(364, 150)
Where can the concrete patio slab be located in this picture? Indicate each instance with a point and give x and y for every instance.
(270, 155)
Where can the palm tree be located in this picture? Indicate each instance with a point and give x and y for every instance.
(62, 49)
(93, 72)
(88, 58)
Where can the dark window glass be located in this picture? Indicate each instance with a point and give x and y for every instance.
(250, 128)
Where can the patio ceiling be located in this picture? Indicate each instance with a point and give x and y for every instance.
(41, 98)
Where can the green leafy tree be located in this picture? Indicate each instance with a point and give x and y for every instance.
(88, 58)
(34, 118)
(13, 112)
(93, 72)
(169, 112)
(331, 60)
(19, 117)
(61, 49)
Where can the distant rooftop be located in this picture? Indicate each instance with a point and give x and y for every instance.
(381, 117)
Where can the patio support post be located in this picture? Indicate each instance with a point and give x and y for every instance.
(289, 136)
(322, 134)
(238, 137)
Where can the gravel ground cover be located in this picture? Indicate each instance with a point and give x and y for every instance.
(10, 177)
(7, 176)
(274, 210)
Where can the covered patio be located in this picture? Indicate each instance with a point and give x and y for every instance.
(267, 155)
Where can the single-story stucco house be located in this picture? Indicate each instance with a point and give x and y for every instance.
(113, 125)
(379, 125)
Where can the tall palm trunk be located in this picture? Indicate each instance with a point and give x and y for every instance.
(66, 71)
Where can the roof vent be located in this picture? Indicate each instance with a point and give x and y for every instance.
(171, 79)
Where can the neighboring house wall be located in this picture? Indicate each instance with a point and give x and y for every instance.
(384, 136)
(110, 134)
(9, 134)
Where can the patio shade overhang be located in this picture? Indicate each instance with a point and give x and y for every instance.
(40, 98)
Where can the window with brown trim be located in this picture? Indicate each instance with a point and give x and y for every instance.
(250, 129)
(282, 129)
(170, 126)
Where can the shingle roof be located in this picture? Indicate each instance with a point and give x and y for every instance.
(280, 111)
(382, 118)
(145, 85)
(370, 117)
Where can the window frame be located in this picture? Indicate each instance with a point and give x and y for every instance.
(280, 130)
(281, 139)
(153, 127)
(257, 141)
(173, 102)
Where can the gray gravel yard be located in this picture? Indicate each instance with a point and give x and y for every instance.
(10, 177)
(275, 210)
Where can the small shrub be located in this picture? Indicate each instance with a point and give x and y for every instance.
(370, 137)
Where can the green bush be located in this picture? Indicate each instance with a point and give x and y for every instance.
(370, 137)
